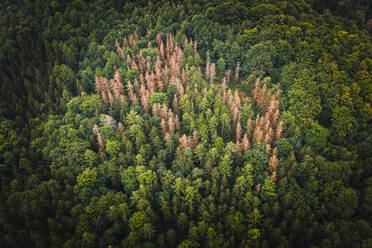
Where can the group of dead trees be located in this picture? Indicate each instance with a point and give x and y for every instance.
(169, 69)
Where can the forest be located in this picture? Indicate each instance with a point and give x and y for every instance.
(189, 123)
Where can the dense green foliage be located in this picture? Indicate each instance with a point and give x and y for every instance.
(185, 124)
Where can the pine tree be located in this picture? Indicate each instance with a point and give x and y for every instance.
(256, 89)
(237, 101)
(212, 72)
(102, 85)
(207, 67)
(179, 56)
(235, 113)
(238, 131)
(184, 142)
(245, 143)
(237, 70)
(145, 100)
(156, 108)
(163, 125)
(267, 121)
(97, 133)
(142, 64)
(119, 50)
(257, 134)
(272, 106)
(185, 75)
(269, 135)
(229, 99)
(177, 123)
(279, 131)
(116, 86)
(162, 50)
(171, 124)
(110, 97)
(267, 149)
(175, 103)
(249, 127)
(136, 85)
(180, 90)
(275, 117)
(164, 111)
(132, 95)
(272, 164)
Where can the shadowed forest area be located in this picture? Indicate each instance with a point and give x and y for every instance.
(186, 123)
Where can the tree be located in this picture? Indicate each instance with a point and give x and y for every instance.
(129, 179)
(268, 191)
(87, 183)
(317, 136)
(225, 166)
(113, 148)
(89, 239)
(258, 60)
(158, 97)
(140, 228)
(342, 124)
(92, 105)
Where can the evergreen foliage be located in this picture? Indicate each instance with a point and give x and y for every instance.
(185, 123)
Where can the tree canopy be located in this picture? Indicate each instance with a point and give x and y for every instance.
(185, 124)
